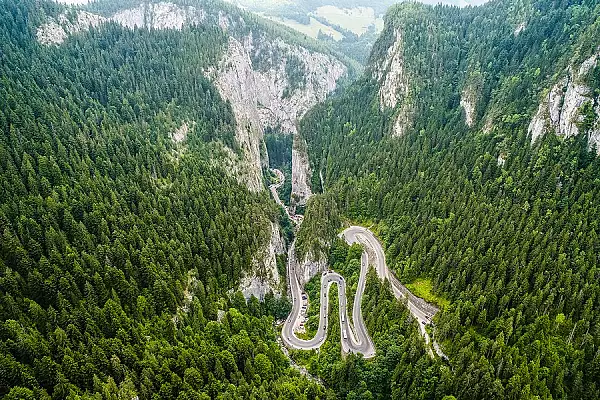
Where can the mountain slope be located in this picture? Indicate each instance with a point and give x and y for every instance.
(434, 145)
(270, 75)
(425, 62)
(123, 236)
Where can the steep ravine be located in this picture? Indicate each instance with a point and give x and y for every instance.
(255, 77)
(270, 83)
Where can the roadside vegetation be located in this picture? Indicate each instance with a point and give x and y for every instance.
(424, 288)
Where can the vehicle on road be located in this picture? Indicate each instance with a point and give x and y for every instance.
(361, 341)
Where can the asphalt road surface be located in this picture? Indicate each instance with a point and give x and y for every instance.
(353, 338)
(296, 219)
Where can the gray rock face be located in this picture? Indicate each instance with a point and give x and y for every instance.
(68, 23)
(560, 108)
(310, 268)
(520, 28)
(264, 277)
(269, 82)
(162, 15)
(394, 85)
(391, 74)
(266, 97)
(301, 173)
(594, 139)
(467, 105)
(235, 79)
(471, 94)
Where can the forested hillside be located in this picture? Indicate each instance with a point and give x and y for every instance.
(436, 144)
(122, 234)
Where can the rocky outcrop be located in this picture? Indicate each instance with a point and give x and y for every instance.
(501, 159)
(560, 109)
(394, 85)
(404, 119)
(520, 28)
(594, 137)
(254, 75)
(55, 31)
(264, 277)
(310, 267)
(235, 80)
(471, 94)
(162, 15)
(301, 173)
(269, 82)
(391, 74)
(466, 102)
(179, 134)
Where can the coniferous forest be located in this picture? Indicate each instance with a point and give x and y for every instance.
(505, 230)
(124, 237)
(107, 223)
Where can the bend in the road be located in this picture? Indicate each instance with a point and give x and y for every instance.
(353, 335)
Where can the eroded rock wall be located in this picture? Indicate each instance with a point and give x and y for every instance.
(301, 173)
(394, 85)
(264, 277)
(269, 82)
(70, 22)
(560, 108)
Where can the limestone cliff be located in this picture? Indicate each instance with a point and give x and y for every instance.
(391, 74)
(394, 85)
(56, 30)
(161, 15)
(301, 173)
(311, 266)
(308, 266)
(271, 83)
(470, 95)
(561, 106)
(268, 81)
(264, 277)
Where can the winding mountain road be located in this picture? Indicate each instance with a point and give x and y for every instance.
(355, 338)
(274, 187)
(296, 219)
(353, 334)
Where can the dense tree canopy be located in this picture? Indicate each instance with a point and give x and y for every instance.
(506, 231)
(110, 221)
